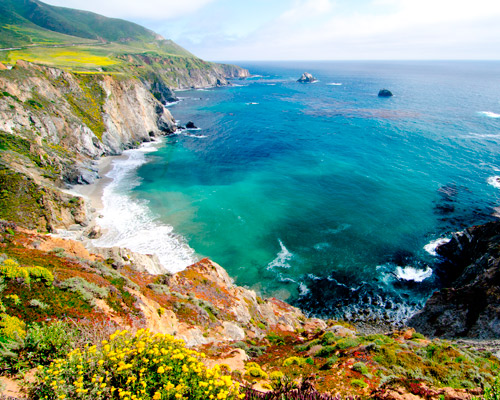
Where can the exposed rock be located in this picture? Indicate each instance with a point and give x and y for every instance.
(421, 391)
(307, 78)
(235, 360)
(232, 331)
(191, 125)
(208, 281)
(314, 325)
(342, 331)
(470, 304)
(159, 322)
(384, 93)
(122, 256)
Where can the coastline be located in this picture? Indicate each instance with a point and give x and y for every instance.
(118, 222)
(93, 192)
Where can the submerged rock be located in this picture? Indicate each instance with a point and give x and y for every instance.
(384, 93)
(307, 78)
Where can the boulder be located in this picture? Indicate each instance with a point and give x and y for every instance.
(384, 93)
(307, 78)
(191, 125)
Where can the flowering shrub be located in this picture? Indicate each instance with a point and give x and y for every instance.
(254, 370)
(10, 269)
(131, 367)
(12, 327)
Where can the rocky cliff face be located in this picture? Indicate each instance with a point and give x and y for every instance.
(182, 72)
(469, 306)
(53, 124)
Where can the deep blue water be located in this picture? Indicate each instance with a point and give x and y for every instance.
(325, 194)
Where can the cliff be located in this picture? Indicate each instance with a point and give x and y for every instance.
(469, 305)
(53, 124)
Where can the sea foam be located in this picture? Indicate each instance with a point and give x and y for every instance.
(494, 181)
(282, 258)
(413, 274)
(489, 114)
(129, 223)
(433, 245)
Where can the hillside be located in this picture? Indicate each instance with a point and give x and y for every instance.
(82, 41)
(103, 323)
(31, 22)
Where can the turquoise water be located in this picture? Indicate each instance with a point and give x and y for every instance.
(325, 194)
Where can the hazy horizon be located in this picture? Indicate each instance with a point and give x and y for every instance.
(287, 30)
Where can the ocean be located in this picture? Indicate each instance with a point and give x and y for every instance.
(323, 194)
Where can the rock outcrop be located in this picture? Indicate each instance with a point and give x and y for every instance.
(306, 78)
(384, 93)
(469, 305)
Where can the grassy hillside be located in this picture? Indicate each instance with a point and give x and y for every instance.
(31, 22)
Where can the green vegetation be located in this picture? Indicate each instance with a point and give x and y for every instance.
(134, 366)
(87, 104)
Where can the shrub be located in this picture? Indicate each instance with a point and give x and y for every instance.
(275, 339)
(14, 298)
(10, 269)
(328, 338)
(345, 343)
(12, 327)
(41, 345)
(40, 274)
(294, 361)
(45, 343)
(325, 351)
(276, 376)
(253, 370)
(330, 362)
(307, 346)
(87, 290)
(130, 366)
(361, 368)
(38, 304)
(358, 383)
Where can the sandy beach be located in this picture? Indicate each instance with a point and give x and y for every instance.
(93, 192)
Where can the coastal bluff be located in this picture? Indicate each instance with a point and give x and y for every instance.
(469, 304)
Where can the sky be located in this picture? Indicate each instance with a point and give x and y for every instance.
(235, 30)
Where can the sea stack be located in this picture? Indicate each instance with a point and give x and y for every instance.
(307, 78)
(384, 93)
(191, 125)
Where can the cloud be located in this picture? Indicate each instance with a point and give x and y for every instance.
(133, 9)
(376, 29)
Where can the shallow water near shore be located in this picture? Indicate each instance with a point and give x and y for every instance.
(321, 194)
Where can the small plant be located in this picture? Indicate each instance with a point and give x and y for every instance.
(254, 370)
(275, 339)
(294, 361)
(358, 383)
(14, 298)
(87, 290)
(361, 368)
(38, 304)
(276, 376)
(325, 351)
(330, 362)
